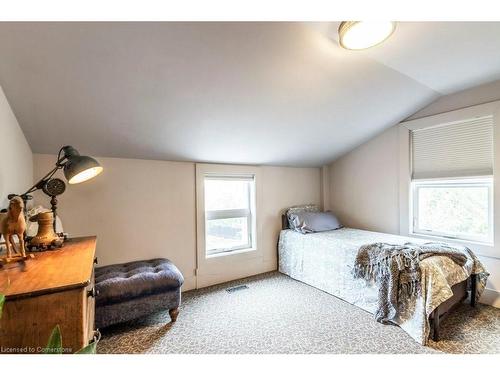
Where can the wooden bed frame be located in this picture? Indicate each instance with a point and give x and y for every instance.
(460, 294)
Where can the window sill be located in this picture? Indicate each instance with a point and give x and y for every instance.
(229, 253)
(448, 239)
(479, 248)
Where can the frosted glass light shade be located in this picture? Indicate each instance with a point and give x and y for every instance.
(357, 35)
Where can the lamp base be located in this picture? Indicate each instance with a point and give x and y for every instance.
(56, 244)
(46, 238)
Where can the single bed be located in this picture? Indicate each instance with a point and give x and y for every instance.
(325, 260)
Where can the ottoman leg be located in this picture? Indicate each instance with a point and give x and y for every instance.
(173, 314)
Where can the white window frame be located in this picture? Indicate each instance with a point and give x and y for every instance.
(405, 202)
(234, 213)
(235, 264)
(485, 181)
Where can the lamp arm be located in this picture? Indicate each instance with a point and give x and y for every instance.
(26, 196)
(42, 181)
(59, 165)
(61, 159)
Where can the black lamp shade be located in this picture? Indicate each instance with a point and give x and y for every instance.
(80, 168)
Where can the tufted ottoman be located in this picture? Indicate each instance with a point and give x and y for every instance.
(131, 290)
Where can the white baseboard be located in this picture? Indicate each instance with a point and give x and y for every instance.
(189, 283)
(490, 297)
(204, 280)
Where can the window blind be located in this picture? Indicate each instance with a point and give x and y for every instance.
(232, 177)
(460, 149)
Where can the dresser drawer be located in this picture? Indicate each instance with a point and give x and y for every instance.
(28, 322)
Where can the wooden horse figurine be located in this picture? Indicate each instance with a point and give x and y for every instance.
(13, 223)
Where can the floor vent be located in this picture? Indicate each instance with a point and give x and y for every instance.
(236, 288)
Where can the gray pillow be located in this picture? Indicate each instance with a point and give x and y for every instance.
(309, 222)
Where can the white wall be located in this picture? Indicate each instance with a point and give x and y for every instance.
(16, 159)
(364, 183)
(488, 92)
(282, 188)
(140, 209)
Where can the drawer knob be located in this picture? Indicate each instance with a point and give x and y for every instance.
(93, 292)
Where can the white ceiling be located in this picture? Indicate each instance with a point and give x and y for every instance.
(259, 93)
(444, 56)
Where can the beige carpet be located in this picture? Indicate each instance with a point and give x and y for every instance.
(280, 315)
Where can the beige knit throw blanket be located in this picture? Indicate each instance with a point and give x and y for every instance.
(395, 269)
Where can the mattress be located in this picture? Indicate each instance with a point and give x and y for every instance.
(325, 260)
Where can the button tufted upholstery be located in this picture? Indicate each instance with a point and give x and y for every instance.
(124, 282)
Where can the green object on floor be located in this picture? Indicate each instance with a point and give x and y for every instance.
(2, 300)
(54, 346)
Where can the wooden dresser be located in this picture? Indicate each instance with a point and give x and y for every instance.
(56, 287)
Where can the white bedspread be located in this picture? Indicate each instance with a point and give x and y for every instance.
(325, 260)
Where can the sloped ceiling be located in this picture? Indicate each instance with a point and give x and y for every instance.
(257, 93)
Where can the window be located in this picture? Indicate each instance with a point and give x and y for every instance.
(452, 184)
(229, 213)
(458, 209)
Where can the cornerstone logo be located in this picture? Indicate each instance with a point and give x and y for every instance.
(32, 350)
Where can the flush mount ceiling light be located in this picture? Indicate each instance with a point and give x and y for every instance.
(358, 35)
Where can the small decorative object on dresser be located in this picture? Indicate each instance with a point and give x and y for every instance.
(13, 223)
(46, 237)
